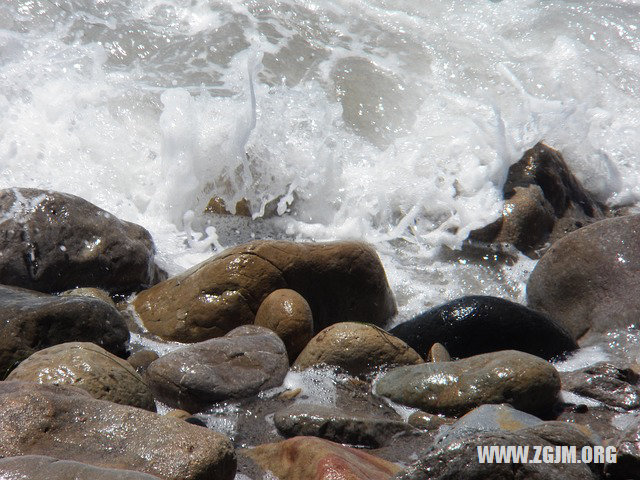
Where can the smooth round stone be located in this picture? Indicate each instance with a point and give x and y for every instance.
(288, 314)
(142, 359)
(89, 367)
(438, 353)
(357, 348)
(89, 292)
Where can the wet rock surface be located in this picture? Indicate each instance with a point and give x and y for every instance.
(310, 458)
(480, 324)
(32, 321)
(40, 467)
(67, 423)
(526, 382)
(288, 314)
(89, 367)
(242, 363)
(627, 445)
(341, 281)
(52, 241)
(543, 202)
(356, 348)
(336, 425)
(588, 280)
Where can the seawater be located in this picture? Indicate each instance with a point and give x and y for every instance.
(387, 121)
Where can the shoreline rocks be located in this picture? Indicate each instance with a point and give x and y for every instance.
(341, 281)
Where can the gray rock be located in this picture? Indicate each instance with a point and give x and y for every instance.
(67, 423)
(333, 424)
(40, 467)
(524, 381)
(242, 363)
(89, 367)
(588, 280)
(31, 321)
(142, 359)
(627, 445)
(459, 460)
(52, 241)
(605, 383)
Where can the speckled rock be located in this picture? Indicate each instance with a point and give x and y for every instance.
(357, 348)
(480, 324)
(589, 280)
(89, 367)
(311, 458)
(341, 281)
(288, 314)
(333, 424)
(31, 321)
(52, 241)
(543, 202)
(526, 382)
(67, 423)
(40, 467)
(242, 363)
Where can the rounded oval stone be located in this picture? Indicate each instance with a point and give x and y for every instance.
(357, 348)
(524, 381)
(89, 367)
(288, 314)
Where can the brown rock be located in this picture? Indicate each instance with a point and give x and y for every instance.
(310, 458)
(288, 314)
(437, 353)
(357, 348)
(67, 423)
(341, 281)
(543, 202)
(90, 292)
(142, 359)
(181, 414)
(242, 363)
(588, 281)
(52, 241)
(426, 421)
(217, 205)
(89, 367)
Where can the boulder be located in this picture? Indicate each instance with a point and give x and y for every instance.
(522, 380)
(589, 279)
(288, 314)
(52, 241)
(67, 423)
(310, 458)
(357, 348)
(330, 423)
(242, 363)
(341, 281)
(543, 202)
(31, 321)
(480, 324)
(40, 467)
(606, 383)
(627, 462)
(89, 367)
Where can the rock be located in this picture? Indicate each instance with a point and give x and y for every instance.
(589, 279)
(565, 433)
(310, 458)
(89, 367)
(142, 359)
(52, 241)
(181, 414)
(67, 423)
(426, 421)
(330, 423)
(357, 348)
(32, 321)
(526, 382)
(605, 383)
(217, 205)
(39, 467)
(460, 460)
(341, 281)
(543, 202)
(288, 314)
(240, 364)
(627, 444)
(481, 324)
(90, 292)
(437, 353)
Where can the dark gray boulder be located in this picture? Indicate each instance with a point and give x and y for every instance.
(52, 241)
(31, 321)
(480, 324)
